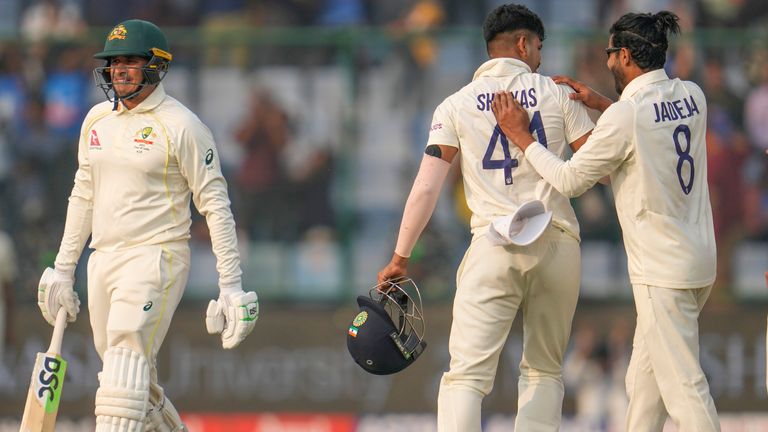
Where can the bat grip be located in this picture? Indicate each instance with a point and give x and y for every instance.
(58, 332)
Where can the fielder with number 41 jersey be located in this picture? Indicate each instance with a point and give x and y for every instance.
(142, 156)
(517, 260)
(652, 144)
(496, 175)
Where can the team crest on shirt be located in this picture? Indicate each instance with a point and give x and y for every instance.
(143, 143)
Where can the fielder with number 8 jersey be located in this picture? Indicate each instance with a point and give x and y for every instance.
(142, 157)
(517, 260)
(652, 144)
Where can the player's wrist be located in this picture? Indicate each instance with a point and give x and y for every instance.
(227, 290)
(603, 102)
(63, 275)
(523, 140)
(399, 260)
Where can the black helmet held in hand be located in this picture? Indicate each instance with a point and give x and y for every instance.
(387, 335)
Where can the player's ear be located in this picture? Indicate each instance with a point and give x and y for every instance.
(522, 44)
(625, 56)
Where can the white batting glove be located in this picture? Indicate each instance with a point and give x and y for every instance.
(233, 315)
(55, 291)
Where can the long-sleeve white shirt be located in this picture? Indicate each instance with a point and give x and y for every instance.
(137, 171)
(497, 178)
(652, 143)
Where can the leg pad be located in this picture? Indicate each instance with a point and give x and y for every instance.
(123, 395)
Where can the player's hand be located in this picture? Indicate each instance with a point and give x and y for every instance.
(397, 268)
(232, 315)
(56, 291)
(512, 119)
(584, 94)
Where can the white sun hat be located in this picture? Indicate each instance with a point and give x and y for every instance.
(522, 227)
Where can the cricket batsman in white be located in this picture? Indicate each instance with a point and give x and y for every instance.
(142, 155)
(524, 254)
(652, 145)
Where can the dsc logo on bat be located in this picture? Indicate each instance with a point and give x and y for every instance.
(49, 380)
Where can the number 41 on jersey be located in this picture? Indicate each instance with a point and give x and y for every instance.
(536, 126)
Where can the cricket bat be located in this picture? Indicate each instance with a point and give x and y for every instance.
(46, 383)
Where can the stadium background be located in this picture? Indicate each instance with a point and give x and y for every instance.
(320, 110)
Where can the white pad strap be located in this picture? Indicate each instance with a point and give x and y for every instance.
(421, 202)
(123, 396)
(162, 415)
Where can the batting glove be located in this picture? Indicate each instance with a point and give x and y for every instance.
(233, 315)
(55, 291)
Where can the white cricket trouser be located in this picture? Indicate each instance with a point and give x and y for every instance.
(493, 282)
(664, 374)
(132, 296)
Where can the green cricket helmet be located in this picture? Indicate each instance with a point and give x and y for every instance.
(134, 38)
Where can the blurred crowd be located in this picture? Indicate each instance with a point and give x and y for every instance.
(594, 371)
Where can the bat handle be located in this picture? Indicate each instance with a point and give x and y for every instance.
(58, 332)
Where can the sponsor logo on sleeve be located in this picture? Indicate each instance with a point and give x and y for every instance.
(209, 159)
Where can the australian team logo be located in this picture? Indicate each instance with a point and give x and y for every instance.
(118, 32)
(144, 139)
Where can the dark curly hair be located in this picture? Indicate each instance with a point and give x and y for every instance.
(645, 35)
(511, 17)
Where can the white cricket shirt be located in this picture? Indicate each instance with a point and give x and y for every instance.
(137, 170)
(497, 178)
(652, 143)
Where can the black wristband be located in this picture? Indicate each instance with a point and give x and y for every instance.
(433, 150)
